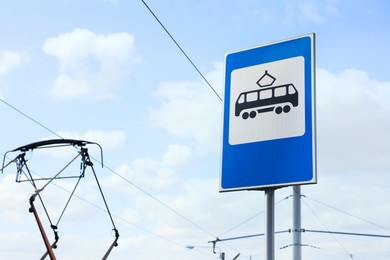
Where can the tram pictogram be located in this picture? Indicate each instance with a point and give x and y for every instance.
(268, 98)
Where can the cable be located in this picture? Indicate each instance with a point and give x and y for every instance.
(181, 49)
(151, 196)
(105, 211)
(250, 218)
(247, 236)
(30, 118)
(157, 200)
(323, 224)
(122, 177)
(147, 193)
(347, 213)
(346, 233)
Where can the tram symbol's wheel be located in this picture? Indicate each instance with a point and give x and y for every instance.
(245, 115)
(278, 110)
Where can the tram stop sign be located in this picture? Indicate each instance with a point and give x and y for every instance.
(269, 136)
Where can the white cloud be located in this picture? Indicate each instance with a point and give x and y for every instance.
(308, 11)
(352, 121)
(190, 110)
(201, 202)
(9, 60)
(176, 155)
(153, 174)
(12, 240)
(14, 199)
(90, 64)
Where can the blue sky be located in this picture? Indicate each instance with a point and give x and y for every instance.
(106, 71)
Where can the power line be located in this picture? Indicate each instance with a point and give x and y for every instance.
(105, 210)
(181, 49)
(157, 200)
(30, 118)
(246, 236)
(323, 224)
(345, 233)
(248, 219)
(122, 177)
(347, 213)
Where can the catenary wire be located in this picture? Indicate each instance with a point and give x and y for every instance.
(181, 49)
(347, 213)
(128, 181)
(164, 204)
(156, 199)
(124, 178)
(114, 215)
(30, 118)
(323, 224)
(249, 219)
(116, 173)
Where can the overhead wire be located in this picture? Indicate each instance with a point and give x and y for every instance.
(194, 66)
(326, 228)
(192, 63)
(122, 177)
(245, 221)
(181, 49)
(223, 240)
(30, 118)
(119, 175)
(250, 218)
(332, 233)
(156, 199)
(105, 210)
(347, 213)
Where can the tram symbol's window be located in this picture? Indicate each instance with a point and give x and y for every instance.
(280, 91)
(251, 96)
(291, 89)
(266, 94)
(241, 99)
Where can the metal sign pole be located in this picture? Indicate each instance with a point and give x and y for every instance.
(270, 224)
(296, 230)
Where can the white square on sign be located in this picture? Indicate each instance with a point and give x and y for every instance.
(267, 101)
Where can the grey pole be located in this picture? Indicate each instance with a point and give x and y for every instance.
(270, 224)
(296, 230)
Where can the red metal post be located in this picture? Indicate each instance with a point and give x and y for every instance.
(41, 229)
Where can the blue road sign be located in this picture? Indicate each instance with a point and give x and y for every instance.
(269, 116)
